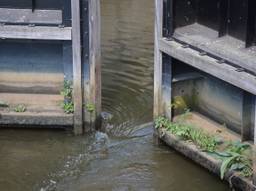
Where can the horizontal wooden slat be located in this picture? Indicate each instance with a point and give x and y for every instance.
(20, 16)
(35, 32)
(209, 65)
(226, 47)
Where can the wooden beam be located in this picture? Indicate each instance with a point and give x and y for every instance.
(158, 58)
(26, 16)
(95, 55)
(35, 32)
(209, 65)
(77, 67)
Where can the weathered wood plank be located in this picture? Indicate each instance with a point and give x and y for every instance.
(20, 16)
(77, 68)
(35, 32)
(158, 58)
(95, 56)
(209, 65)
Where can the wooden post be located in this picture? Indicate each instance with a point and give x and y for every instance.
(158, 65)
(77, 69)
(163, 63)
(158, 58)
(95, 57)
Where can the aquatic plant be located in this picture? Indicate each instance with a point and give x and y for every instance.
(67, 92)
(90, 107)
(20, 108)
(68, 107)
(236, 158)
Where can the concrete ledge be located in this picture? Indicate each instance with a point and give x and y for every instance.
(30, 119)
(235, 180)
(42, 110)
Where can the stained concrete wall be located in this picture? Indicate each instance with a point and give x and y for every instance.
(28, 66)
(212, 97)
(220, 101)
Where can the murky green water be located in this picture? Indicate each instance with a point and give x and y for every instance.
(128, 159)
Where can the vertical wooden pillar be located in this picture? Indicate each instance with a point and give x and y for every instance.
(158, 65)
(158, 59)
(77, 67)
(163, 63)
(94, 59)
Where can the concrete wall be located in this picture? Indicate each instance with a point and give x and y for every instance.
(211, 97)
(32, 66)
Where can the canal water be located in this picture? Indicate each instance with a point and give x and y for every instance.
(123, 159)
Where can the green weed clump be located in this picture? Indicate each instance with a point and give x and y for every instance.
(20, 108)
(68, 107)
(90, 107)
(67, 92)
(236, 155)
(188, 132)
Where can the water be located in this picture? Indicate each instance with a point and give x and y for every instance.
(123, 159)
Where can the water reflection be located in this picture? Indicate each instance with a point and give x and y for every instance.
(127, 63)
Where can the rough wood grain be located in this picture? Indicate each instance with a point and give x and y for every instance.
(95, 55)
(77, 67)
(209, 65)
(158, 58)
(35, 32)
(20, 16)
